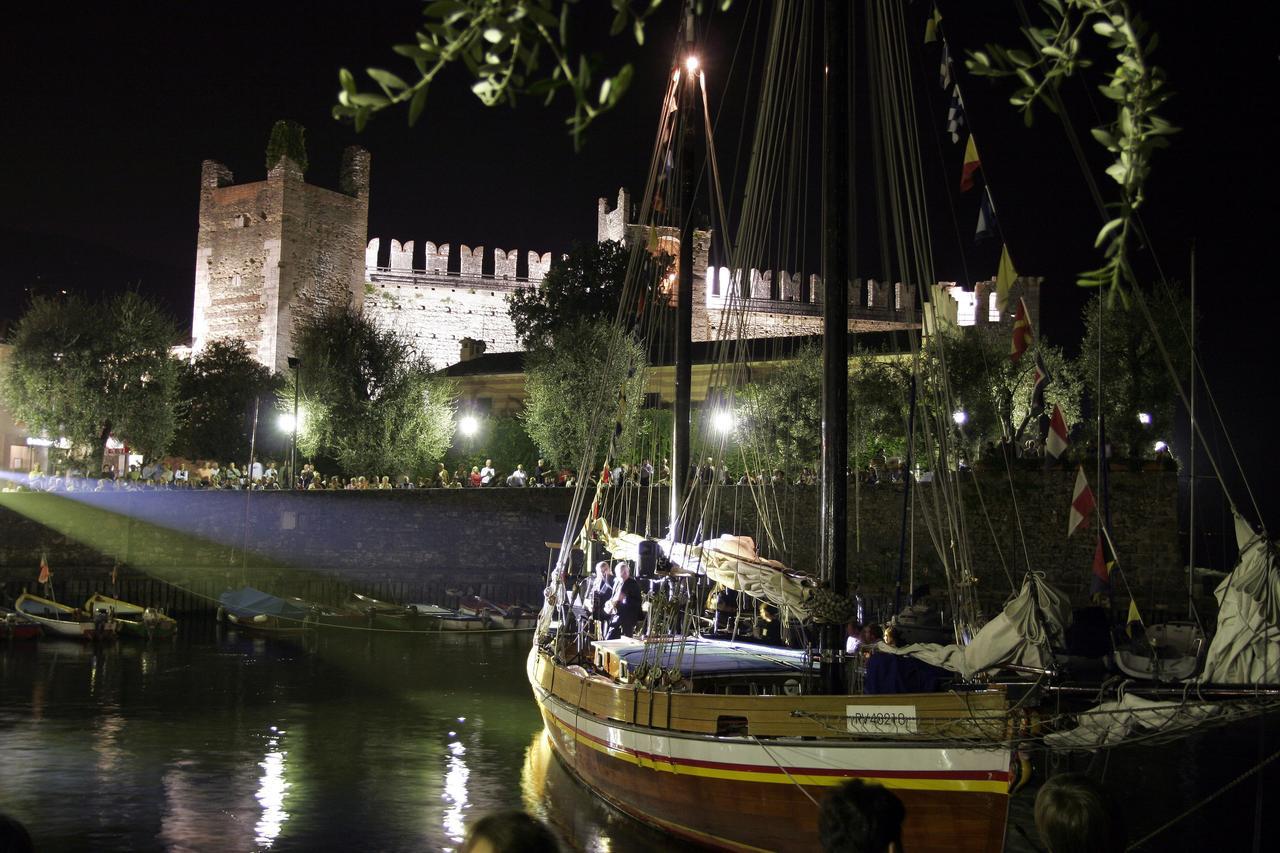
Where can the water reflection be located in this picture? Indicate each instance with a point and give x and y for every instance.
(271, 791)
(455, 791)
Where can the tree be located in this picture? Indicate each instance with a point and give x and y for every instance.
(575, 384)
(90, 370)
(216, 394)
(502, 43)
(502, 439)
(584, 286)
(782, 413)
(368, 402)
(994, 392)
(1135, 379)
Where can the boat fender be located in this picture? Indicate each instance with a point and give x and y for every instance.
(1021, 770)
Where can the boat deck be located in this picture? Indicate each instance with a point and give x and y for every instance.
(699, 657)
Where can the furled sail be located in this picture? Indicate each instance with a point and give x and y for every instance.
(729, 560)
(1246, 646)
(1023, 634)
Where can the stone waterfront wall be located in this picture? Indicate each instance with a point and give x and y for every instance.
(469, 538)
(272, 254)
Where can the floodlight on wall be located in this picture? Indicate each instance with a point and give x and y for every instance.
(468, 425)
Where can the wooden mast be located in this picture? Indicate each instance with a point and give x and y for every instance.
(680, 457)
(835, 321)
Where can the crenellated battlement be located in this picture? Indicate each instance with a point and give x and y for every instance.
(499, 269)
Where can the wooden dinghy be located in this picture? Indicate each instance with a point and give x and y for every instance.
(62, 620)
(134, 620)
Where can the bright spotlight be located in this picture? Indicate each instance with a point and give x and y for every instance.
(1144, 418)
(691, 64)
(723, 421)
(960, 416)
(468, 425)
(285, 422)
(1160, 447)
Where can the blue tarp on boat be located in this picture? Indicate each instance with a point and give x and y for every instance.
(250, 602)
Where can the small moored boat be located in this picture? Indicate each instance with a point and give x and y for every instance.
(134, 620)
(15, 626)
(62, 620)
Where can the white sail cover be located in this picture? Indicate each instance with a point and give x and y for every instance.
(1113, 721)
(1246, 646)
(729, 560)
(1023, 634)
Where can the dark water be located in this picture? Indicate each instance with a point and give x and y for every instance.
(220, 741)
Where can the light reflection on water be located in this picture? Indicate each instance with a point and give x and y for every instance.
(271, 791)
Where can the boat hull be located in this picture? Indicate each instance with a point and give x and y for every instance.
(701, 787)
(68, 621)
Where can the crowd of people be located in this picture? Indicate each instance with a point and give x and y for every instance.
(270, 476)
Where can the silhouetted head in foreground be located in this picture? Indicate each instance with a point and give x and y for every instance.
(1074, 814)
(14, 837)
(861, 818)
(510, 832)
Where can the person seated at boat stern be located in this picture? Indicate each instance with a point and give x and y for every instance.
(1074, 814)
(858, 817)
(627, 604)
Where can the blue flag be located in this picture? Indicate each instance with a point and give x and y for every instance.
(986, 218)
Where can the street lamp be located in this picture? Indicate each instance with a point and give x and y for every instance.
(723, 421)
(1144, 418)
(468, 425)
(295, 365)
(960, 416)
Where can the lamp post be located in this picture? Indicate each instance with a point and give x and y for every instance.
(294, 365)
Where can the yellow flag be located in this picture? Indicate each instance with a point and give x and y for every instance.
(1133, 616)
(1004, 279)
(931, 26)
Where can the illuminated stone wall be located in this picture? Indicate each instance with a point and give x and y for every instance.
(460, 537)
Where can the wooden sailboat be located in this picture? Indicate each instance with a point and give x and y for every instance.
(734, 745)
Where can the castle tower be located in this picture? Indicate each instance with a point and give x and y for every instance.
(273, 254)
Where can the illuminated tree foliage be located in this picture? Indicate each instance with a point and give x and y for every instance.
(585, 285)
(86, 370)
(577, 382)
(1136, 88)
(288, 139)
(216, 394)
(781, 415)
(503, 44)
(994, 392)
(369, 403)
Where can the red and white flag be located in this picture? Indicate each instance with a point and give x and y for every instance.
(45, 574)
(1022, 334)
(1055, 443)
(1082, 503)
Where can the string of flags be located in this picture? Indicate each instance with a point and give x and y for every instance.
(957, 123)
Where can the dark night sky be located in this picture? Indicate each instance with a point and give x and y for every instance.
(110, 109)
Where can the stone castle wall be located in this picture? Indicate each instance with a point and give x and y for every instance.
(272, 254)
(437, 302)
